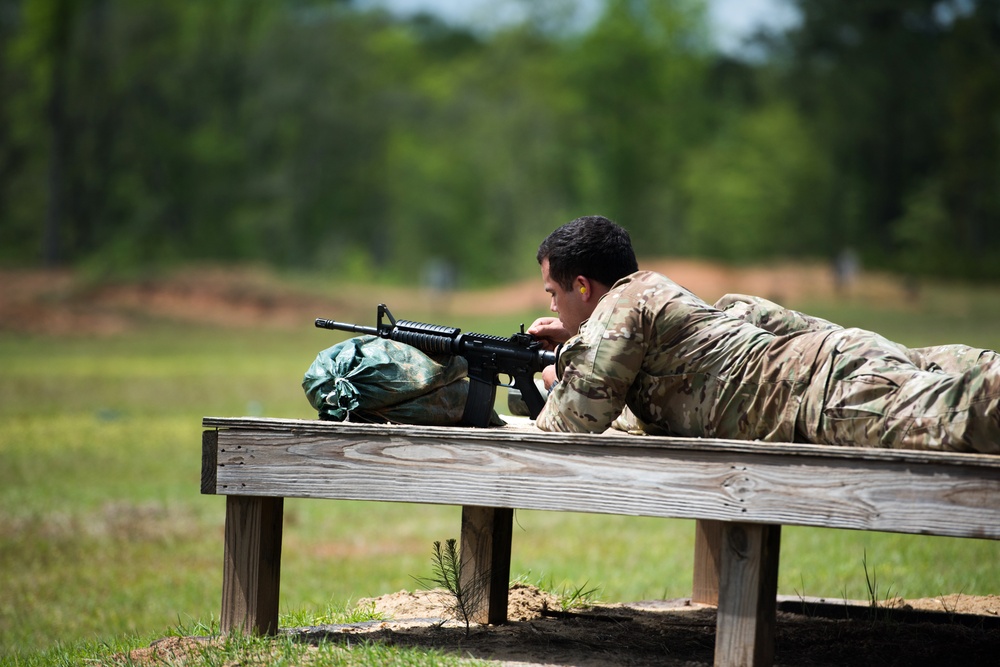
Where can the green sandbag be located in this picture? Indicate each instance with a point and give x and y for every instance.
(373, 379)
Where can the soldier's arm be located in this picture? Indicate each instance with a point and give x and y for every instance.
(596, 369)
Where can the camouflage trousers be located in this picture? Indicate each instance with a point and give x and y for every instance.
(871, 392)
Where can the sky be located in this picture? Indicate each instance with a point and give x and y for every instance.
(731, 19)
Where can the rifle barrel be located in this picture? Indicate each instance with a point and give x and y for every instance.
(344, 326)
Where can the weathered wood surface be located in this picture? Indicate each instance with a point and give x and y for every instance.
(748, 589)
(522, 467)
(485, 561)
(740, 493)
(707, 547)
(251, 570)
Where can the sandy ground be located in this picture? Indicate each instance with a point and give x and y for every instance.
(64, 303)
(954, 630)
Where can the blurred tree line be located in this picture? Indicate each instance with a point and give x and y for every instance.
(321, 134)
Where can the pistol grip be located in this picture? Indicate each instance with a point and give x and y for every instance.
(530, 395)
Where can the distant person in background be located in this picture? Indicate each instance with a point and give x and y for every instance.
(846, 267)
(638, 352)
(438, 279)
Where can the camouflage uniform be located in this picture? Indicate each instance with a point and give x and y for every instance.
(679, 366)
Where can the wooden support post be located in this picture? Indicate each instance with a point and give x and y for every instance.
(748, 588)
(485, 544)
(707, 539)
(251, 568)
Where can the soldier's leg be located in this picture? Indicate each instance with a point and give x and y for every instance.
(948, 412)
(769, 316)
(849, 403)
(952, 358)
(877, 397)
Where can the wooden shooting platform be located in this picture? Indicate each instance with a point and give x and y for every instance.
(739, 493)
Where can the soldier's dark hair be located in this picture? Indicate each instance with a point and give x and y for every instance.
(591, 246)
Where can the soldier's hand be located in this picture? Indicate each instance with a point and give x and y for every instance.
(550, 331)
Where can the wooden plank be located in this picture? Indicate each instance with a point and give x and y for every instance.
(252, 565)
(748, 587)
(523, 430)
(209, 460)
(485, 560)
(707, 544)
(452, 467)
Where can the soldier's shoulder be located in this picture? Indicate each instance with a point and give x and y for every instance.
(646, 282)
(649, 289)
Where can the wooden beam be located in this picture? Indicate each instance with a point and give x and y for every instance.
(209, 460)
(748, 588)
(525, 431)
(485, 560)
(251, 568)
(951, 495)
(707, 543)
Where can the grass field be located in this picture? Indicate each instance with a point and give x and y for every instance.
(105, 540)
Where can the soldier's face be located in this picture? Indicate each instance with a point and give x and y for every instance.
(570, 305)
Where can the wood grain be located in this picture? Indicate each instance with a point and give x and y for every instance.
(748, 588)
(252, 565)
(520, 429)
(908, 492)
(707, 546)
(209, 460)
(485, 561)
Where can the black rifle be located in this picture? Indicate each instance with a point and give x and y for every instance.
(518, 357)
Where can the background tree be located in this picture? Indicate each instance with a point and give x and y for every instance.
(321, 134)
(889, 88)
(758, 190)
(639, 73)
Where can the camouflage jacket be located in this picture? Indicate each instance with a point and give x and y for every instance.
(679, 366)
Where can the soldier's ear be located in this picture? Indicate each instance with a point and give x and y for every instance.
(590, 291)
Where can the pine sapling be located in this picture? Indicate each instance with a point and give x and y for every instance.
(466, 595)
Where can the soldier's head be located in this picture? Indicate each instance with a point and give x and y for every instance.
(580, 262)
(591, 246)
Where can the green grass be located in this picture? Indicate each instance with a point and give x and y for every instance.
(107, 544)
